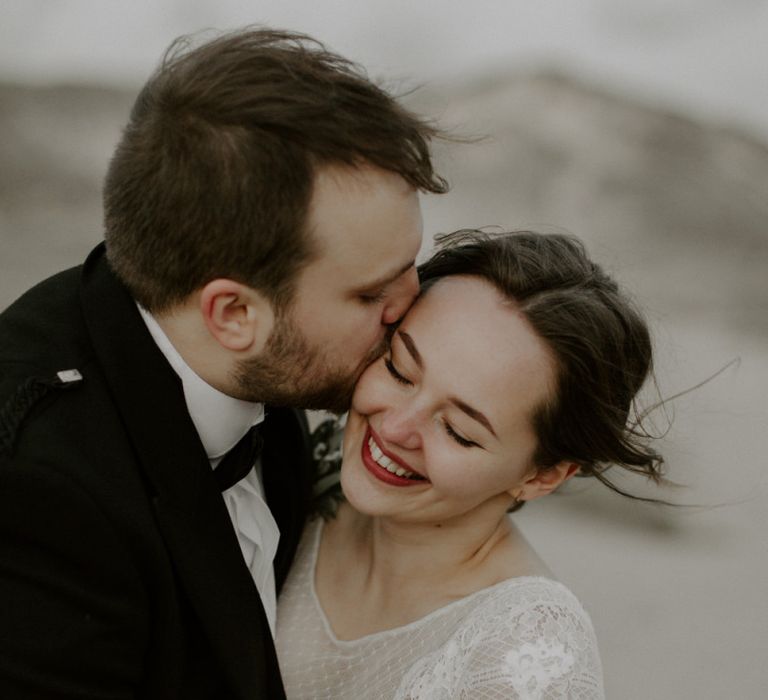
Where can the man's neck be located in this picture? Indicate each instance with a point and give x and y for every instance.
(220, 419)
(196, 347)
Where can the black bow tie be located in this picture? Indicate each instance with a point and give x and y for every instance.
(239, 460)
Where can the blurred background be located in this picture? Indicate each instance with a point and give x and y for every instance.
(641, 127)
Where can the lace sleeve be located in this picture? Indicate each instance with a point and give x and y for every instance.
(543, 650)
(326, 441)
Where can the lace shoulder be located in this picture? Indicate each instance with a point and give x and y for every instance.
(529, 639)
(326, 440)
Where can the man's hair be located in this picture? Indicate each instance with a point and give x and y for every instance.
(214, 172)
(600, 343)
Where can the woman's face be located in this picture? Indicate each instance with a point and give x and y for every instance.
(441, 426)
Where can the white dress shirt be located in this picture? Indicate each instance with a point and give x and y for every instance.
(221, 421)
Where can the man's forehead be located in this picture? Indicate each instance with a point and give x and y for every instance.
(350, 178)
(364, 226)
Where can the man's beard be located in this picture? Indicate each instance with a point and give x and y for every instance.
(291, 372)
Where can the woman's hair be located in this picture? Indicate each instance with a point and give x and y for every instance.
(214, 172)
(600, 342)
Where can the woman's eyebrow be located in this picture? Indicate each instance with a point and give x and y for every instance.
(410, 346)
(473, 413)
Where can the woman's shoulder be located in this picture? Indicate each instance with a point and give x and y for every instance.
(525, 637)
(524, 592)
(531, 608)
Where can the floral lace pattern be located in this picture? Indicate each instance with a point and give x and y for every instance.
(525, 638)
(530, 640)
(536, 665)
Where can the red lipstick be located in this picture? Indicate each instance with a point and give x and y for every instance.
(380, 472)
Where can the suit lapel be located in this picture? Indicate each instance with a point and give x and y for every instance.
(190, 512)
(286, 473)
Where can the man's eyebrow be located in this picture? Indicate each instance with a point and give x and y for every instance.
(389, 278)
(473, 413)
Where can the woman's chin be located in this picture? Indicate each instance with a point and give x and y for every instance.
(362, 495)
(357, 492)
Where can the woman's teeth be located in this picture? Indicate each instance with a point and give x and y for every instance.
(386, 463)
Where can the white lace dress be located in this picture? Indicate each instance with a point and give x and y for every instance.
(526, 637)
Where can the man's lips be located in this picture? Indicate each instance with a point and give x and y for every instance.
(382, 473)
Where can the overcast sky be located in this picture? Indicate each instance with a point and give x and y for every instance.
(708, 57)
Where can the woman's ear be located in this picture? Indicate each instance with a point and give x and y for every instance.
(544, 481)
(238, 317)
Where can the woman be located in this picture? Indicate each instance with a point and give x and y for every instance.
(516, 369)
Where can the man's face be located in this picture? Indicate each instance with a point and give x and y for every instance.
(366, 226)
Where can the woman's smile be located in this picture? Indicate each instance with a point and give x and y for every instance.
(384, 465)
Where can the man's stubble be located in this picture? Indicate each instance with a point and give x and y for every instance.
(291, 372)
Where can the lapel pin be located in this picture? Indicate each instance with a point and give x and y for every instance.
(68, 376)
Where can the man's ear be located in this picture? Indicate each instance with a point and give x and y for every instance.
(238, 317)
(544, 481)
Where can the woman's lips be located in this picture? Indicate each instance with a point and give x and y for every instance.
(381, 473)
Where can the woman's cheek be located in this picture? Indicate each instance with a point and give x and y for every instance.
(371, 390)
(444, 465)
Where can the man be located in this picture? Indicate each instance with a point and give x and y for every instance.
(262, 221)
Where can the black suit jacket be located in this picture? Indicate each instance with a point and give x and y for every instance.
(120, 571)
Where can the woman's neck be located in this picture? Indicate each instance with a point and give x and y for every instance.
(421, 554)
(403, 571)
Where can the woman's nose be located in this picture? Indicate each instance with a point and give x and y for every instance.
(401, 295)
(400, 428)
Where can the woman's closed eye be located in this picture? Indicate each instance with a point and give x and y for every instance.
(395, 373)
(398, 377)
(456, 437)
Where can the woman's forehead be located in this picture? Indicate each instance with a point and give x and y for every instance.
(473, 340)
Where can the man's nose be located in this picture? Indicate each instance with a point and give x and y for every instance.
(402, 294)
